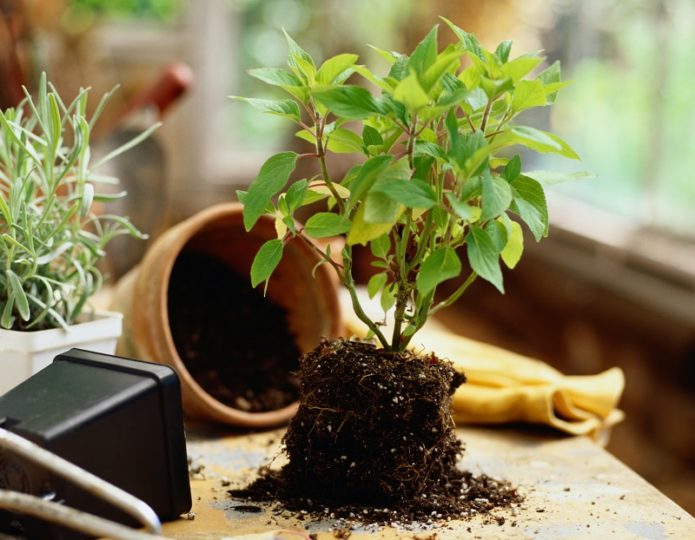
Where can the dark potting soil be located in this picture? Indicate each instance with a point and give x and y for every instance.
(234, 342)
(374, 441)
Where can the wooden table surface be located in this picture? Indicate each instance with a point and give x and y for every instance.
(573, 489)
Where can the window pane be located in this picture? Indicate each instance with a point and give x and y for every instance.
(630, 111)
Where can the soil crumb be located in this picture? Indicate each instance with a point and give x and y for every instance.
(220, 326)
(373, 442)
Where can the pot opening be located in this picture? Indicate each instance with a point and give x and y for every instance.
(235, 342)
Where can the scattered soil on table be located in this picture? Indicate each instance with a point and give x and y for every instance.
(234, 342)
(373, 441)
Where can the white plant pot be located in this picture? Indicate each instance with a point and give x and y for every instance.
(24, 353)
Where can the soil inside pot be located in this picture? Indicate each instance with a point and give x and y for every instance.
(234, 342)
(373, 440)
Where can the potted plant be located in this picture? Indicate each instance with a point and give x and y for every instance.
(438, 195)
(51, 240)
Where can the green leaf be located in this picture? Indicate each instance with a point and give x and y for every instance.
(380, 208)
(7, 319)
(477, 98)
(18, 295)
(411, 193)
(447, 61)
(549, 178)
(388, 298)
(299, 61)
(484, 257)
(451, 84)
(497, 233)
(452, 97)
(55, 122)
(53, 255)
(528, 94)
(503, 50)
(336, 69)
(550, 76)
(371, 137)
(429, 149)
(465, 147)
(351, 102)
(497, 196)
(399, 69)
(381, 246)
(362, 231)
(283, 79)
(275, 76)
(425, 54)
(470, 42)
(295, 194)
(463, 210)
(452, 127)
(535, 139)
(519, 67)
(265, 262)
(376, 283)
(270, 180)
(384, 84)
(440, 265)
(511, 254)
(410, 93)
(471, 189)
(286, 108)
(530, 205)
(494, 88)
(513, 169)
(389, 56)
(344, 141)
(366, 177)
(440, 217)
(325, 224)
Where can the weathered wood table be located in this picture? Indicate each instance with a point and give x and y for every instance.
(573, 489)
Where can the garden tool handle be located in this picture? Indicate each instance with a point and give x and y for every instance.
(173, 82)
(91, 483)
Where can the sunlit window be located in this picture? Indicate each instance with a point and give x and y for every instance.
(630, 111)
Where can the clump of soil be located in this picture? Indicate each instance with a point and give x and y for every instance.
(221, 328)
(373, 440)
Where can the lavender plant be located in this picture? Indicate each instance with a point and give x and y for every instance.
(50, 238)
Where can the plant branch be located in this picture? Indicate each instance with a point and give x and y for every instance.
(349, 283)
(486, 115)
(455, 295)
(321, 154)
(339, 269)
(470, 122)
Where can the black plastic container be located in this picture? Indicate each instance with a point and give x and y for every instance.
(119, 419)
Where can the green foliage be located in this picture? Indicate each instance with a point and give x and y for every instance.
(438, 179)
(50, 238)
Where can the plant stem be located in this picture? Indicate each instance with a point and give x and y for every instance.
(349, 283)
(401, 305)
(336, 266)
(411, 143)
(421, 314)
(456, 294)
(486, 115)
(321, 154)
(470, 122)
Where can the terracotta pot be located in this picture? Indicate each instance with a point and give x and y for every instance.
(311, 302)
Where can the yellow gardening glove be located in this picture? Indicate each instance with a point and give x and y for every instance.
(505, 387)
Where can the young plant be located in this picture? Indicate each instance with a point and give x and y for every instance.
(438, 176)
(50, 238)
